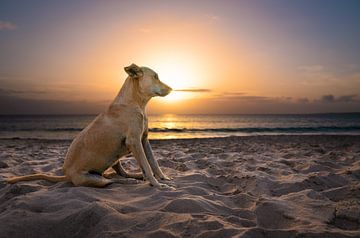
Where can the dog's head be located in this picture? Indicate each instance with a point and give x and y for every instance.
(149, 82)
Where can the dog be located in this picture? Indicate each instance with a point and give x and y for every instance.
(122, 129)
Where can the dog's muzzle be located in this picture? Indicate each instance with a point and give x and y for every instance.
(164, 91)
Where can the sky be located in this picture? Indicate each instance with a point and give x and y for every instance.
(220, 57)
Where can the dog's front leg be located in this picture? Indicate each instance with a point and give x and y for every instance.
(152, 161)
(136, 148)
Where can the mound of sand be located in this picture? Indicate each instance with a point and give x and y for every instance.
(266, 186)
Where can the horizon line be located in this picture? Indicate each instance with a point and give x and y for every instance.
(185, 114)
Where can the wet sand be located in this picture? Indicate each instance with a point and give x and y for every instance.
(259, 186)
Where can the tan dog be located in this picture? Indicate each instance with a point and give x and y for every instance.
(122, 129)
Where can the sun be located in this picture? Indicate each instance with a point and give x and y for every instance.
(179, 73)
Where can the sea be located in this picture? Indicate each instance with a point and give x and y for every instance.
(171, 126)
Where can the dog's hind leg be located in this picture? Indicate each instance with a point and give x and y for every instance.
(90, 180)
(121, 171)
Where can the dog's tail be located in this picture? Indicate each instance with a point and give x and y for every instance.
(51, 178)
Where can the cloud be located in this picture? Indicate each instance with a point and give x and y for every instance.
(235, 96)
(252, 98)
(347, 98)
(14, 104)
(193, 90)
(328, 98)
(12, 91)
(6, 25)
(232, 94)
(303, 100)
(331, 98)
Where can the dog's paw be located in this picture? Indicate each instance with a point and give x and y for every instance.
(163, 186)
(166, 178)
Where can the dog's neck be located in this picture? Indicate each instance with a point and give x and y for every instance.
(130, 95)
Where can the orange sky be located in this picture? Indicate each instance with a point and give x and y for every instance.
(223, 58)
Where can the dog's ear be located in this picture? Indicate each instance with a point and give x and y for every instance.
(134, 71)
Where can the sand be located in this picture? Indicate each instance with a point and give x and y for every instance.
(261, 186)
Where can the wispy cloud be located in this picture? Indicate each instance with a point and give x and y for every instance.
(347, 98)
(328, 98)
(234, 96)
(331, 98)
(6, 25)
(252, 98)
(20, 92)
(193, 90)
(303, 100)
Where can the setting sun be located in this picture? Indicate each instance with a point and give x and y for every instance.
(179, 73)
(175, 96)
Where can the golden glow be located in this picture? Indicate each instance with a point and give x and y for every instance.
(170, 122)
(176, 96)
(179, 73)
(193, 57)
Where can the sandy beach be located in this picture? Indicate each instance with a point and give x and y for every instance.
(256, 186)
